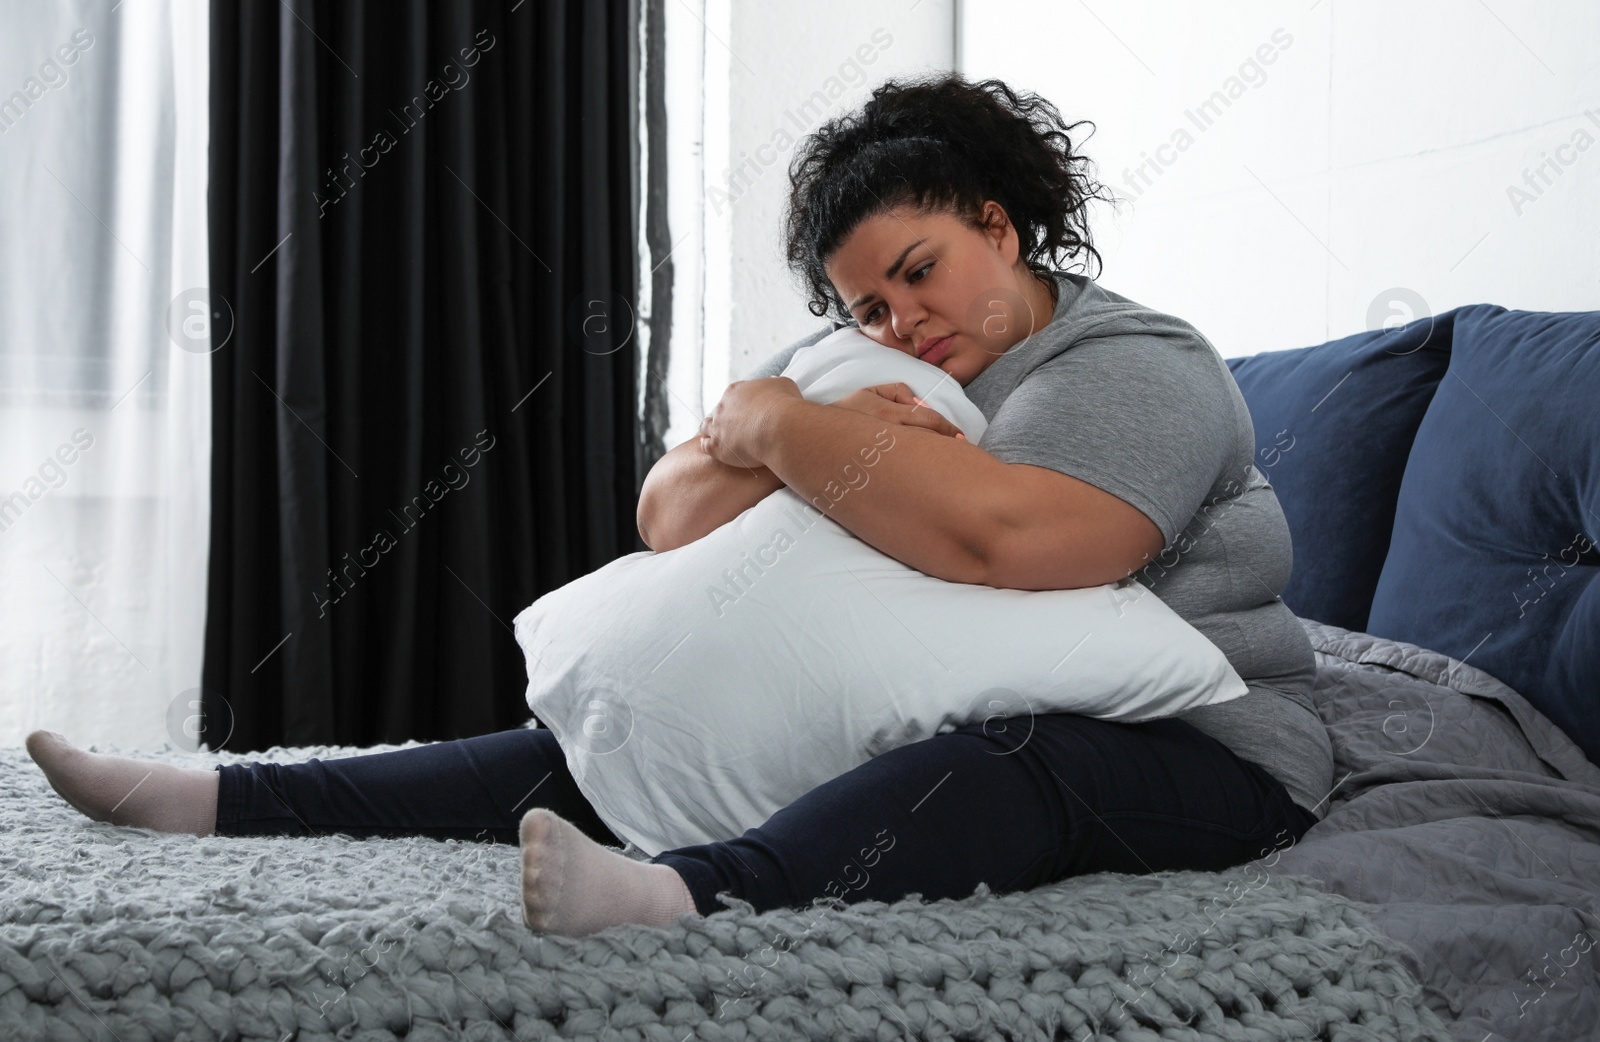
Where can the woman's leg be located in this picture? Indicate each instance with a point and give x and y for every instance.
(1015, 803)
(471, 788)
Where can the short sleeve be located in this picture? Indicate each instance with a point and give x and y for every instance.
(775, 365)
(1148, 419)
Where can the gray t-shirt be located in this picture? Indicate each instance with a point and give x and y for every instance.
(1140, 404)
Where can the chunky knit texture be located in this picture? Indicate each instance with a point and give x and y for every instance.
(108, 930)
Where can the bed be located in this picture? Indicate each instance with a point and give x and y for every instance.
(1451, 892)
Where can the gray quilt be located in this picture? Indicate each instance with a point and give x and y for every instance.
(1472, 824)
(1451, 892)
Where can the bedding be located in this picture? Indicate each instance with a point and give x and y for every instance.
(1470, 824)
(1452, 892)
(112, 933)
(698, 691)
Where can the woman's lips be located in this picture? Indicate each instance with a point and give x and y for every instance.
(935, 350)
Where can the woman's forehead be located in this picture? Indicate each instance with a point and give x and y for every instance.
(879, 247)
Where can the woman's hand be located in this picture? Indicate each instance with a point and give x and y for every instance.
(896, 404)
(732, 429)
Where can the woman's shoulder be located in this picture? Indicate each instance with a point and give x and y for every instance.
(1098, 339)
(1088, 312)
(1118, 389)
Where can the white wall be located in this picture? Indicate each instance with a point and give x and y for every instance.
(1378, 161)
(747, 79)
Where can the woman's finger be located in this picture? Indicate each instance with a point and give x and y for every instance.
(942, 426)
(924, 416)
(897, 392)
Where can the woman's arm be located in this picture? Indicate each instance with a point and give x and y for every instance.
(688, 494)
(916, 494)
(940, 505)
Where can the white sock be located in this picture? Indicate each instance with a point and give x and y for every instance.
(124, 791)
(573, 886)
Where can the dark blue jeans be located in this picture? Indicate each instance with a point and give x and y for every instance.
(1014, 803)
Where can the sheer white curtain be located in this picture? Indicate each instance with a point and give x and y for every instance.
(105, 404)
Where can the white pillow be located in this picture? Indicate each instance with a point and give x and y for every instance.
(697, 691)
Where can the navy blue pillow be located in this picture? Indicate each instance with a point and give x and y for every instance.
(1493, 558)
(1333, 427)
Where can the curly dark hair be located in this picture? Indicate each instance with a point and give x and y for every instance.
(939, 144)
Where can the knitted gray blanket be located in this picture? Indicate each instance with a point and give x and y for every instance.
(126, 934)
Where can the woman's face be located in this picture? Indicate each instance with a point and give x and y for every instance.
(938, 289)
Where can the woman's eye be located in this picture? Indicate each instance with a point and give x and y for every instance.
(871, 317)
(921, 272)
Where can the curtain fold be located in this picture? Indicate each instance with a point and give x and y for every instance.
(422, 216)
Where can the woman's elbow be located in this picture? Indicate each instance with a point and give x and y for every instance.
(650, 527)
(659, 533)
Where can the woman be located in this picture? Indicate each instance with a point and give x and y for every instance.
(1118, 444)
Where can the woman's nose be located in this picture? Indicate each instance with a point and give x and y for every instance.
(905, 319)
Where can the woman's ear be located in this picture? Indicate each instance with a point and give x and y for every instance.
(997, 226)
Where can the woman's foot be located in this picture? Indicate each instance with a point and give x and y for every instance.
(573, 886)
(124, 791)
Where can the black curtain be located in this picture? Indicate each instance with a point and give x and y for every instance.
(425, 413)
